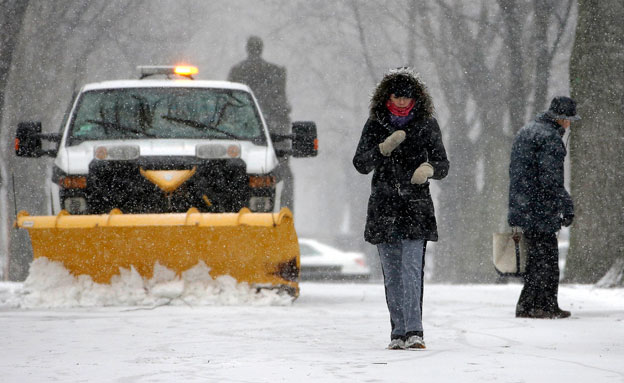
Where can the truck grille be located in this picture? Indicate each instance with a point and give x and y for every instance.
(217, 186)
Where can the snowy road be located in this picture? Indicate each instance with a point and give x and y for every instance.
(332, 333)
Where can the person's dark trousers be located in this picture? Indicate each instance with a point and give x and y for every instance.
(541, 278)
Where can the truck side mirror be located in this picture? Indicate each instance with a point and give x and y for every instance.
(305, 140)
(28, 139)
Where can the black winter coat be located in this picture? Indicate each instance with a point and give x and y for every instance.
(398, 209)
(537, 197)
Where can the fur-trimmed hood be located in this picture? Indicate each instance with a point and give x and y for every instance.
(423, 108)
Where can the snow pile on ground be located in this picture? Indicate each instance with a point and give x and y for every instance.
(615, 275)
(50, 285)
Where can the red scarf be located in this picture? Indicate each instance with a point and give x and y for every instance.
(401, 112)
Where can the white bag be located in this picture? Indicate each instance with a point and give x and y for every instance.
(509, 253)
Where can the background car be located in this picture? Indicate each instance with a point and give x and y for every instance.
(323, 262)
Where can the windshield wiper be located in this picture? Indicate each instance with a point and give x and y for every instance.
(201, 125)
(119, 128)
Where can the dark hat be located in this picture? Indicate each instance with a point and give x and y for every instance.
(403, 86)
(563, 108)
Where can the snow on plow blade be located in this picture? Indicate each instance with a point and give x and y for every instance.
(258, 248)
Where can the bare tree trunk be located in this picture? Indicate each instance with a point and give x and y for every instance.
(543, 12)
(412, 13)
(11, 17)
(597, 180)
(366, 51)
(512, 36)
(545, 50)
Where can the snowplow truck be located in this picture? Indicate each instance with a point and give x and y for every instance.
(167, 170)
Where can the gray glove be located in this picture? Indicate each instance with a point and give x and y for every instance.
(424, 171)
(392, 142)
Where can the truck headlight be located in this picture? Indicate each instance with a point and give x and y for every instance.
(218, 151)
(262, 204)
(75, 205)
(121, 152)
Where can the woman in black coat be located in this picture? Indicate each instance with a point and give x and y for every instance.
(402, 144)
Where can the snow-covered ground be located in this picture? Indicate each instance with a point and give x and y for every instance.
(215, 331)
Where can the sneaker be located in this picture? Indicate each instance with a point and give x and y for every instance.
(415, 341)
(396, 344)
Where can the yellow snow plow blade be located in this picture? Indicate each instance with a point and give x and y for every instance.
(258, 248)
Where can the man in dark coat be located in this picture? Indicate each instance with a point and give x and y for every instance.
(268, 82)
(540, 205)
(401, 144)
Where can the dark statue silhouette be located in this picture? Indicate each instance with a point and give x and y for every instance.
(268, 82)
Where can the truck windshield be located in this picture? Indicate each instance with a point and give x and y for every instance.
(190, 113)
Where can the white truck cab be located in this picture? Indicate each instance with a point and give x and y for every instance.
(164, 145)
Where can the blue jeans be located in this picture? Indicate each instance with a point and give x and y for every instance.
(402, 264)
